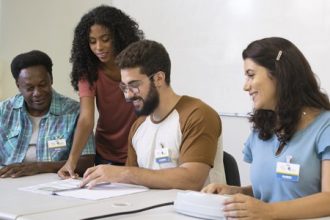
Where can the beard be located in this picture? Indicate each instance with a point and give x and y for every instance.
(150, 103)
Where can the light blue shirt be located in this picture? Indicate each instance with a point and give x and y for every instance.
(58, 123)
(307, 147)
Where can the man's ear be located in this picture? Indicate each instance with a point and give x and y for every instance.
(17, 83)
(159, 78)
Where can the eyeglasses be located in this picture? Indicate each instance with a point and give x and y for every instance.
(133, 87)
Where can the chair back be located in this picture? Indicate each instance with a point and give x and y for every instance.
(231, 170)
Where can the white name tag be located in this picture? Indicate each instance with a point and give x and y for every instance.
(58, 143)
(288, 171)
(162, 155)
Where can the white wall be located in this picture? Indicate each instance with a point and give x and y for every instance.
(45, 25)
(204, 38)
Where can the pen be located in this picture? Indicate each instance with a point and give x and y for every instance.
(54, 192)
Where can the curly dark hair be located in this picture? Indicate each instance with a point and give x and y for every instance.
(122, 28)
(296, 87)
(31, 58)
(149, 55)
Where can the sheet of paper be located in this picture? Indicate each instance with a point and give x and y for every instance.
(97, 192)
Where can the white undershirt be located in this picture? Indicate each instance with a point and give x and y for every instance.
(31, 154)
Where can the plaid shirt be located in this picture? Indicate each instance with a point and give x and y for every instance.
(58, 123)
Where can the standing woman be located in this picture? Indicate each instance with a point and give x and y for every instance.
(100, 35)
(289, 147)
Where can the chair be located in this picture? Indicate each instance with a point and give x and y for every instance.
(231, 170)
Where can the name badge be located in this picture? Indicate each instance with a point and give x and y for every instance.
(288, 171)
(162, 155)
(58, 143)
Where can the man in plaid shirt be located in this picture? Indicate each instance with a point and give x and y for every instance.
(37, 125)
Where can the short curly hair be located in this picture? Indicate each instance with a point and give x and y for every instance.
(28, 59)
(123, 29)
(149, 56)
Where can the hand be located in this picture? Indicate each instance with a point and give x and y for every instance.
(67, 171)
(222, 189)
(101, 174)
(246, 207)
(19, 169)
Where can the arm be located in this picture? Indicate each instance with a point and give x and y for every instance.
(83, 130)
(32, 168)
(190, 176)
(313, 206)
(226, 189)
(300, 208)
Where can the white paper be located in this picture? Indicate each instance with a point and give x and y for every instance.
(97, 192)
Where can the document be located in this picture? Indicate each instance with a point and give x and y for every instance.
(70, 188)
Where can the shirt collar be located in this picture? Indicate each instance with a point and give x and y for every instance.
(55, 105)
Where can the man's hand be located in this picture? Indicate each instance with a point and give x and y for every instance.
(103, 173)
(19, 169)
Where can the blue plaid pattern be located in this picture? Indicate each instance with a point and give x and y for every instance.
(58, 123)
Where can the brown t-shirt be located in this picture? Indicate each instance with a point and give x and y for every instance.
(190, 132)
(116, 117)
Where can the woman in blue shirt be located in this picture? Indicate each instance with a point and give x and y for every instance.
(289, 147)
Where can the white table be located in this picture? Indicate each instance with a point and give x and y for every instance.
(21, 205)
(118, 204)
(17, 204)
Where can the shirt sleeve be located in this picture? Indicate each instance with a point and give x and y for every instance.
(200, 134)
(85, 90)
(1, 109)
(323, 144)
(131, 153)
(247, 154)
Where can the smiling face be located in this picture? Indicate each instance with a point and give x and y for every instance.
(100, 43)
(35, 84)
(141, 90)
(260, 85)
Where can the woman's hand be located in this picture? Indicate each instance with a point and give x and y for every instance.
(222, 189)
(245, 207)
(67, 171)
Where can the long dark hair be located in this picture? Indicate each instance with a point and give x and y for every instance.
(296, 87)
(123, 30)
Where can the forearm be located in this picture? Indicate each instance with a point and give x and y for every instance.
(173, 178)
(81, 135)
(49, 167)
(84, 162)
(312, 206)
(247, 190)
